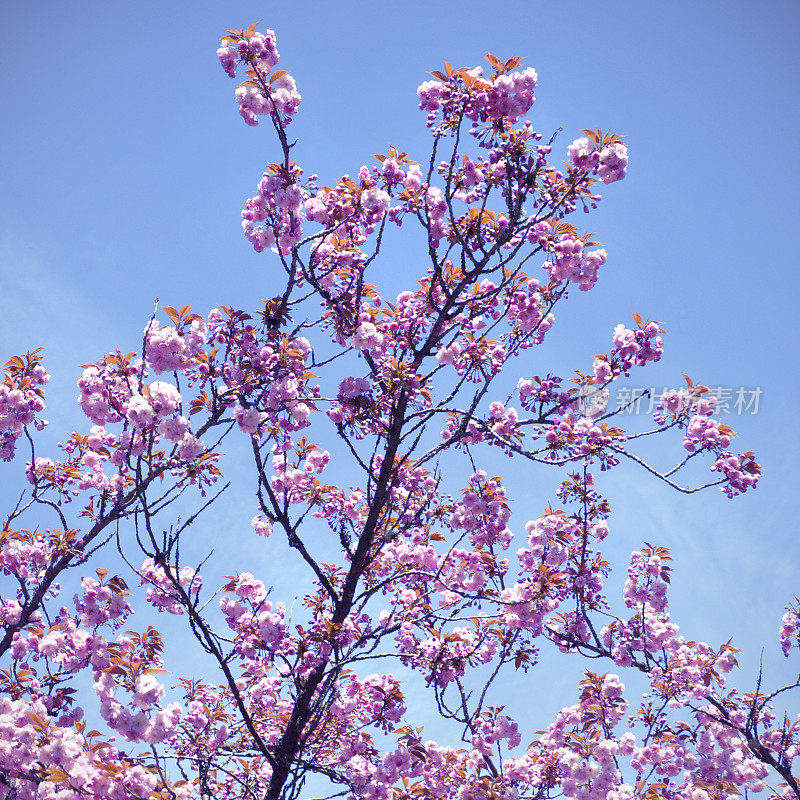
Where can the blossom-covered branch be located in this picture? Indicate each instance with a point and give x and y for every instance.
(375, 423)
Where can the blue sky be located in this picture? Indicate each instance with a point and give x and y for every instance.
(124, 166)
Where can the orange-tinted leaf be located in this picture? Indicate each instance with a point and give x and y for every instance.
(495, 62)
(172, 313)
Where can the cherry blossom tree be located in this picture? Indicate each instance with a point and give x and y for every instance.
(433, 583)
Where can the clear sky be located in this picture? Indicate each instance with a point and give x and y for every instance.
(124, 165)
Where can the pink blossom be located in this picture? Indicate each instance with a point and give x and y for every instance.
(248, 419)
(366, 336)
(164, 398)
(613, 162)
(139, 412)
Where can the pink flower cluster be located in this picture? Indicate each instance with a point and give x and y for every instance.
(112, 390)
(483, 512)
(281, 102)
(506, 96)
(259, 624)
(637, 347)
(540, 590)
(741, 472)
(571, 436)
(510, 97)
(67, 647)
(297, 485)
(162, 592)
(105, 389)
(573, 263)
(276, 96)
(278, 203)
(21, 399)
(492, 728)
(527, 313)
(692, 668)
(503, 422)
(609, 162)
(78, 767)
(706, 434)
(444, 656)
(99, 603)
(578, 753)
(260, 50)
(374, 700)
(366, 335)
(631, 348)
(168, 349)
(352, 405)
(424, 767)
(436, 207)
(133, 721)
(540, 391)
(265, 376)
(677, 403)
(790, 628)
(27, 554)
(351, 209)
